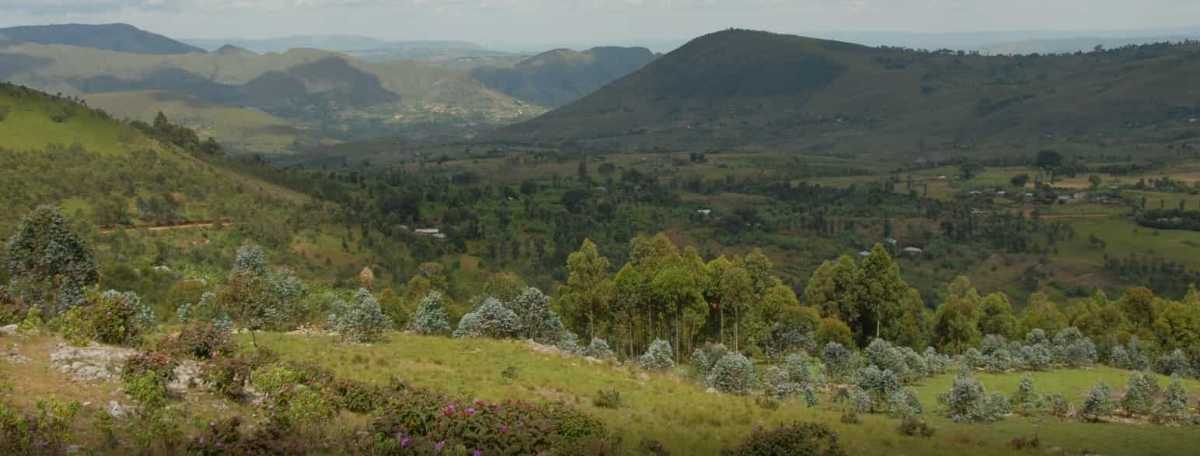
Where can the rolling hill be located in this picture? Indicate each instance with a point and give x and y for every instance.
(112, 37)
(561, 76)
(747, 89)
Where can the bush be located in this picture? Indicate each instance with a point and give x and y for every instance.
(659, 357)
(936, 363)
(1174, 406)
(160, 365)
(110, 317)
(839, 360)
(733, 373)
(904, 403)
(228, 375)
(915, 427)
(360, 320)
(880, 384)
(430, 316)
(1098, 404)
(536, 319)
(607, 399)
(1072, 349)
(358, 397)
(599, 349)
(1036, 357)
(884, 356)
(1058, 405)
(968, 402)
(1026, 401)
(796, 439)
(568, 342)
(1139, 394)
(490, 319)
(704, 358)
(1174, 363)
(46, 432)
(204, 340)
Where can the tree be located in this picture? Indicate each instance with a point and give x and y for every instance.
(729, 287)
(1138, 305)
(676, 288)
(1019, 180)
(588, 291)
(535, 317)
(996, 317)
(1178, 326)
(490, 319)
(430, 316)
(1042, 313)
(1049, 160)
(833, 288)
(361, 319)
(955, 322)
(49, 264)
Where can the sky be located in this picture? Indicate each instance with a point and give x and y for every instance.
(500, 23)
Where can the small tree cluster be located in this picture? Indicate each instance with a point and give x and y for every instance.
(361, 319)
(659, 357)
(1129, 356)
(536, 319)
(880, 384)
(430, 317)
(840, 361)
(705, 357)
(1174, 363)
(1139, 394)
(1027, 401)
(1174, 406)
(599, 349)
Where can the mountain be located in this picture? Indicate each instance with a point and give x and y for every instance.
(747, 89)
(561, 76)
(339, 43)
(1079, 44)
(112, 37)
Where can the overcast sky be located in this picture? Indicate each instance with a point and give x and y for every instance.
(504, 22)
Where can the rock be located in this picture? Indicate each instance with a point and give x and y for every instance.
(9, 330)
(711, 390)
(116, 410)
(187, 374)
(92, 363)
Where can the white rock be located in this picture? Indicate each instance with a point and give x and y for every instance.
(116, 410)
(9, 330)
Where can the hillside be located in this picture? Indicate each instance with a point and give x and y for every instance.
(322, 96)
(561, 76)
(112, 37)
(755, 89)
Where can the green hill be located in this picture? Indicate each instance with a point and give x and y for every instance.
(755, 89)
(561, 76)
(113, 37)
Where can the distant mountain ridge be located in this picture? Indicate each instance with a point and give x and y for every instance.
(339, 43)
(112, 37)
(739, 89)
(561, 76)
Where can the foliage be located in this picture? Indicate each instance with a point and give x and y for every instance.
(535, 317)
(1174, 406)
(607, 399)
(839, 360)
(160, 365)
(48, 263)
(599, 349)
(1139, 394)
(490, 319)
(46, 432)
(110, 317)
(733, 373)
(430, 316)
(1098, 404)
(1071, 348)
(913, 426)
(904, 403)
(1174, 363)
(968, 402)
(800, 439)
(705, 357)
(361, 319)
(659, 357)
(881, 384)
(1026, 400)
(204, 339)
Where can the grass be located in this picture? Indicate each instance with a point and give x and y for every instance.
(688, 420)
(29, 125)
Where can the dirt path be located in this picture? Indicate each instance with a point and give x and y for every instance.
(1029, 214)
(178, 226)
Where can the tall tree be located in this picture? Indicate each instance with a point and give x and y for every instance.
(49, 264)
(588, 291)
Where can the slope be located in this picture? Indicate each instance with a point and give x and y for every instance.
(755, 89)
(113, 37)
(561, 76)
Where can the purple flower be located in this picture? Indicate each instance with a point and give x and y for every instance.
(405, 442)
(503, 428)
(439, 445)
(449, 410)
(470, 411)
(477, 453)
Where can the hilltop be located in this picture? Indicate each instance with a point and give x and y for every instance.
(112, 37)
(746, 89)
(561, 76)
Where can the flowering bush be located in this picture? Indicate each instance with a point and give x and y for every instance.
(733, 373)
(416, 420)
(658, 357)
(490, 319)
(430, 316)
(797, 439)
(360, 320)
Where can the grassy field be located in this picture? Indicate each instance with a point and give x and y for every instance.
(31, 122)
(688, 420)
